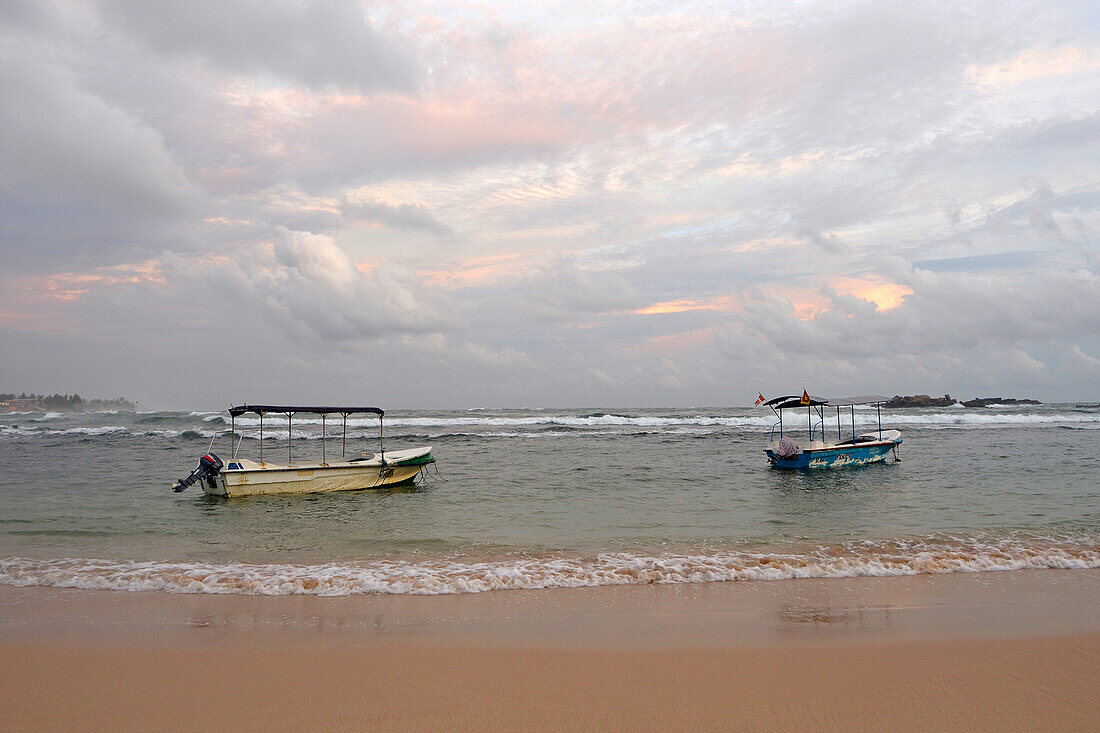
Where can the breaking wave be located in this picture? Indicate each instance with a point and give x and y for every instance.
(34, 431)
(31, 432)
(597, 420)
(453, 575)
(984, 419)
(930, 420)
(208, 424)
(48, 416)
(273, 434)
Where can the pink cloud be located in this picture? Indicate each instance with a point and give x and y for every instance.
(46, 302)
(685, 340)
(723, 303)
(481, 270)
(884, 294)
(1037, 64)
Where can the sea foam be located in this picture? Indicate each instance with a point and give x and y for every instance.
(459, 575)
(950, 419)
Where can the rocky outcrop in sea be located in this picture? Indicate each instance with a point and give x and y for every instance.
(921, 400)
(987, 401)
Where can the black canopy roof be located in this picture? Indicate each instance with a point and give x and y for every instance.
(795, 400)
(261, 409)
(867, 399)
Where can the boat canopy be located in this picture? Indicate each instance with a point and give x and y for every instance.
(795, 400)
(870, 399)
(261, 409)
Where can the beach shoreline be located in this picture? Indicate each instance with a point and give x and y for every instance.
(1015, 650)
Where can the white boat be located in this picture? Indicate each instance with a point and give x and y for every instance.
(245, 477)
(821, 451)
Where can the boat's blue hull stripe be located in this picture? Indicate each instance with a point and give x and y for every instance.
(834, 457)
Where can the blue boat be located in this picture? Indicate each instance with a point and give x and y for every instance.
(821, 451)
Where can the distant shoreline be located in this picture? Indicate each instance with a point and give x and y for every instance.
(923, 400)
(23, 402)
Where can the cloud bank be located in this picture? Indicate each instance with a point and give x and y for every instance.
(466, 204)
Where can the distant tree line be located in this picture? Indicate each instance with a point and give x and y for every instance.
(65, 402)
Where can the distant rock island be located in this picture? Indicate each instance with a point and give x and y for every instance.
(923, 400)
(987, 401)
(61, 402)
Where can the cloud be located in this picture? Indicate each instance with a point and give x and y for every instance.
(524, 199)
(470, 355)
(24, 14)
(565, 291)
(310, 286)
(401, 216)
(827, 242)
(955, 328)
(82, 180)
(1081, 365)
(1034, 63)
(318, 44)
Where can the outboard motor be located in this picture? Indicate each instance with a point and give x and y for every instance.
(209, 467)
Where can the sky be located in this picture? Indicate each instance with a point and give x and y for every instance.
(431, 204)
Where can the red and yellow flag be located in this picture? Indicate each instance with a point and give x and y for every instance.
(759, 400)
(805, 397)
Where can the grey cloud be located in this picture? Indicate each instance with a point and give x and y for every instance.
(564, 291)
(1023, 232)
(82, 180)
(853, 125)
(310, 286)
(1083, 365)
(981, 263)
(827, 242)
(952, 211)
(869, 79)
(402, 216)
(948, 315)
(1062, 133)
(26, 14)
(318, 44)
(1035, 210)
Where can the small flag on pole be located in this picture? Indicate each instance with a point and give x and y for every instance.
(805, 397)
(759, 400)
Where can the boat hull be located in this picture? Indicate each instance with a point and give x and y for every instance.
(835, 456)
(249, 478)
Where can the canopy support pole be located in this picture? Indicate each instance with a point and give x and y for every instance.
(261, 439)
(344, 444)
(323, 461)
(289, 435)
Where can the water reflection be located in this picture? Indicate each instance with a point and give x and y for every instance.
(821, 502)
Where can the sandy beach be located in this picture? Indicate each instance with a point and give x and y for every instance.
(988, 651)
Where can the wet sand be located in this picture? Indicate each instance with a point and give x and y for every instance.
(988, 651)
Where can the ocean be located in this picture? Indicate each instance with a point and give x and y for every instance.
(553, 498)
